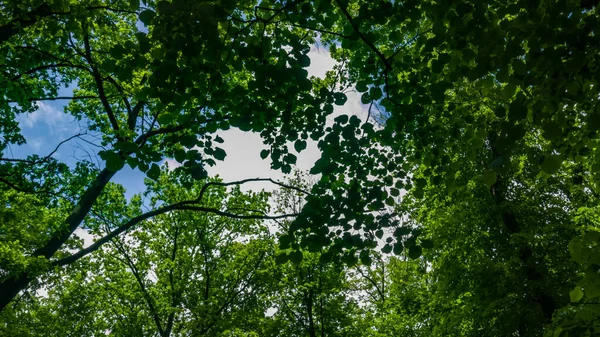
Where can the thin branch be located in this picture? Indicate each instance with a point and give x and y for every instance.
(14, 187)
(122, 91)
(323, 31)
(379, 291)
(145, 293)
(58, 98)
(171, 129)
(98, 79)
(44, 67)
(362, 36)
(239, 182)
(116, 10)
(406, 44)
(235, 216)
(33, 162)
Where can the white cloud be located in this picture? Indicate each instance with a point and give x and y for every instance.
(35, 143)
(55, 119)
(88, 238)
(320, 61)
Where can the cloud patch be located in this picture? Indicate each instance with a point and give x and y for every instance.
(54, 119)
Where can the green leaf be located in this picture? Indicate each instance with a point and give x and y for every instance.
(219, 139)
(342, 119)
(551, 164)
(379, 233)
(489, 177)
(552, 131)
(282, 258)
(296, 257)
(165, 118)
(339, 98)
(290, 158)
(300, 145)
(365, 98)
(146, 16)
(304, 61)
(143, 42)
(154, 172)
(198, 172)
(132, 162)
(427, 244)
(264, 154)
(519, 67)
(398, 248)
(219, 153)
(285, 241)
(365, 258)
(180, 155)
(114, 162)
(375, 93)
(415, 252)
(576, 295)
(361, 86)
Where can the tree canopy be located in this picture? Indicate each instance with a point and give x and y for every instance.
(465, 203)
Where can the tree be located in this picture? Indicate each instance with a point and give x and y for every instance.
(137, 93)
(490, 112)
(397, 295)
(312, 297)
(181, 273)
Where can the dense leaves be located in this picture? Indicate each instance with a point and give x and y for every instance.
(477, 167)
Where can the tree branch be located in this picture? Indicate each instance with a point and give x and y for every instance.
(184, 205)
(49, 66)
(59, 98)
(362, 36)
(239, 182)
(98, 79)
(134, 113)
(34, 162)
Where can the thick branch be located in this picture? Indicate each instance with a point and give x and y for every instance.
(77, 214)
(134, 113)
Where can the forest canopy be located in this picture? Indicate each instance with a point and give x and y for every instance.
(465, 202)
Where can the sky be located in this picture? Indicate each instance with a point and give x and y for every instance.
(46, 127)
(49, 125)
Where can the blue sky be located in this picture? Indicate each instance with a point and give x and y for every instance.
(45, 128)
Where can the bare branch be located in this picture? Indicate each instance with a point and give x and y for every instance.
(33, 162)
(59, 98)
